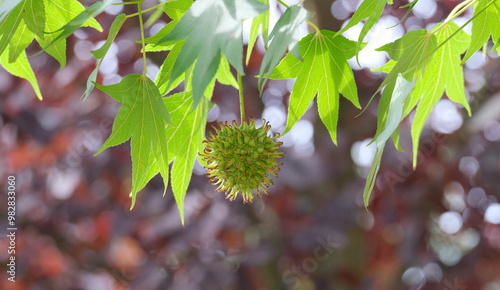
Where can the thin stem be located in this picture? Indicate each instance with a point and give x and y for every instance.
(142, 38)
(283, 3)
(242, 104)
(455, 10)
(459, 9)
(126, 3)
(313, 26)
(144, 11)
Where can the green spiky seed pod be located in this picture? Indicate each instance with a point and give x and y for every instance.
(239, 158)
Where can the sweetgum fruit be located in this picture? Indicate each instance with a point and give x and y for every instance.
(241, 158)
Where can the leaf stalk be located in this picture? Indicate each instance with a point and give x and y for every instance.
(139, 8)
(459, 9)
(283, 3)
(242, 103)
(313, 26)
(143, 11)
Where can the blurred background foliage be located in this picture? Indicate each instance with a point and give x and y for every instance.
(435, 227)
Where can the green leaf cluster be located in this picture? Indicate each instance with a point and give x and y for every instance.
(141, 118)
(209, 29)
(285, 35)
(203, 40)
(49, 22)
(170, 130)
(485, 23)
(424, 66)
(324, 71)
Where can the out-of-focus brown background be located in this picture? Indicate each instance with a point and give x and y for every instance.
(435, 227)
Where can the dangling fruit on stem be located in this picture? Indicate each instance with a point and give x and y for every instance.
(239, 159)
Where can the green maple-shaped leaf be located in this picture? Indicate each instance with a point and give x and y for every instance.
(34, 16)
(443, 72)
(101, 52)
(84, 18)
(58, 14)
(371, 9)
(6, 7)
(141, 118)
(185, 138)
(410, 56)
(152, 42)
(210, 28)
(20, 40)
(21, 68)
(223, 74)
(400, 92)
(9, 25)
(163, 77)
(14, 38)
(324, 72)
(285, 35)
(411, 52)
(485, 23)
(261, 21)
(177, 9)
(174, 9)
(402, 89)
